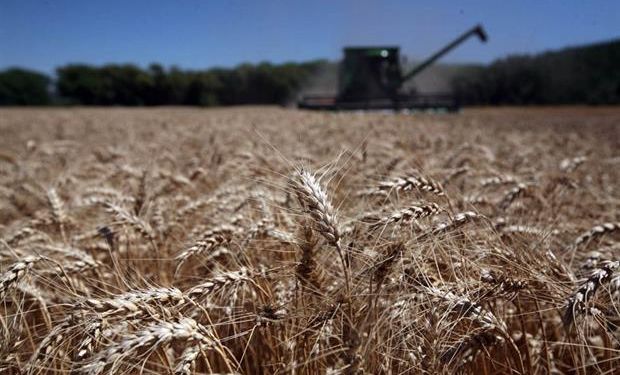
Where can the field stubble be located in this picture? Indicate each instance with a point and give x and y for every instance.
(265, 240)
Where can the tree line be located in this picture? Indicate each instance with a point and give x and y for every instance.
(130, 85)
(587, 74)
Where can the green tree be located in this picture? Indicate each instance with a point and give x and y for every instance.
(588, 75)
(81, 84)
(24, 87)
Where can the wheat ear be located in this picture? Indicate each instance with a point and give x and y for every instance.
(595, 232)
(411, 182)
(315, 202)
(408, 214)
(150, 337)
(577, 302)
(135, 302)
(12, 276)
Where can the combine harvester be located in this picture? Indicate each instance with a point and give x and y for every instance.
(371, 78)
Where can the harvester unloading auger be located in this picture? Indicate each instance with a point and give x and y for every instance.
(372, 78)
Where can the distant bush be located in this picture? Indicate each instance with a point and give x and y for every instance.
(23, 87)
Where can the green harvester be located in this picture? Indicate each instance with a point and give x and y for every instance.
(372, 78)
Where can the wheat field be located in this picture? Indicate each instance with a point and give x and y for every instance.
(275, 241)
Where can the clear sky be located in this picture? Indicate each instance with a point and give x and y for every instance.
(199, 34)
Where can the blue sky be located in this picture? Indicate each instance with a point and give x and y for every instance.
(200, 34)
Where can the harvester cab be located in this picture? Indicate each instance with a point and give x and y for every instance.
(369, 73)
(372, 78)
